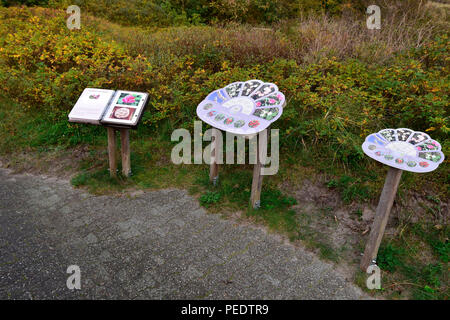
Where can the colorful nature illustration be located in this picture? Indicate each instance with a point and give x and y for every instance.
(404, 149)
(242, 107)
(239, 123)
(228, 120)
(129, 99)
(122, 113)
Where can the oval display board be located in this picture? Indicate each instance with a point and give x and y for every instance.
(242, 107)
(404, 149)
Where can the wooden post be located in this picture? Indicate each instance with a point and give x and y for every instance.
(381, 216)
(214, 167)
(112, 151)
(255, 197)
(125, 141)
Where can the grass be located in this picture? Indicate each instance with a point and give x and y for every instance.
(414, 265)
(38, 131)
(209, 198)
(350, 188)
(294, 34)
(232, 193)
(306, 39)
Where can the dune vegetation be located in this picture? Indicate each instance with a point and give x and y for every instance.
(341, 80)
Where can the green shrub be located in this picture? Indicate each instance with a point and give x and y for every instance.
(209, 198)
(8, 3)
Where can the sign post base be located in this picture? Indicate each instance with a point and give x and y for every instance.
(381, 217)
(125, 151)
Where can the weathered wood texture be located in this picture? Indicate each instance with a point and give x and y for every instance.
(112, 151)
(381, 216)
(255, 196)
(126, 161)
(214, 166)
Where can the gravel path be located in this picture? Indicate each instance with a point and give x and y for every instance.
(150, 245)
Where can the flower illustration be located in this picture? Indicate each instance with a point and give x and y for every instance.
(424, 164)
(129, 99)
(228, 120)
(253, 123)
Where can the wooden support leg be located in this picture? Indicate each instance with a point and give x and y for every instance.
(112, 151)
(381, 217)
(214, 167)
(125, 140)
(255, 197)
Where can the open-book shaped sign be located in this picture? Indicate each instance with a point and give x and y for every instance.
(109, 107)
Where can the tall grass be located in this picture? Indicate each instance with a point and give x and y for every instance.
(305, 40)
